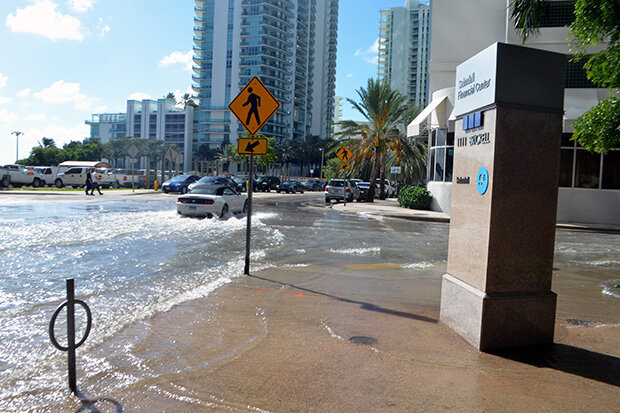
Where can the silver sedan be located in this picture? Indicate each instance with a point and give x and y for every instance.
(210, 200)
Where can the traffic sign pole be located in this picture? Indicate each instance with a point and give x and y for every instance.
(249, 188)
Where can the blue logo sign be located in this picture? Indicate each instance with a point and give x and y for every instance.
(482, 181)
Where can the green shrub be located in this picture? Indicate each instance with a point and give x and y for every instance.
(414, 197)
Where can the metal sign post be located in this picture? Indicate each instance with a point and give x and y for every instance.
(253, 106)
(249, 188)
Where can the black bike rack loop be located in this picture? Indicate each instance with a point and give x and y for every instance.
(53, 322)
(71, 344)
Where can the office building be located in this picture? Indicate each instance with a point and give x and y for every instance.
(289, 44)
(404, 49)
(589, 189)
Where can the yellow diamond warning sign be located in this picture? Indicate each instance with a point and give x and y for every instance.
(344, 154)
(254, 105)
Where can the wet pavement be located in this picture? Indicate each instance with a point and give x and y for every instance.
(332, 286)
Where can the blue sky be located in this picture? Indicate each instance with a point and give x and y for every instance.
(63, 60)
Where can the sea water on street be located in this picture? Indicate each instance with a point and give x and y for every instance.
(135, 259)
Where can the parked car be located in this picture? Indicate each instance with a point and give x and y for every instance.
(45, 174)
(241, 182)
(342, 190)
(390, 191)
(313, 184)
(290, 187)
(364, 187)
(267, 183)
(179, 183)
(210, 200)
(215, 180)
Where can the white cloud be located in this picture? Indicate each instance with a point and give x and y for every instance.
(139, 96)
(80, 6)
(23, 92)
(7, 117)
(43, 19)
(5, 100)
(177, 57)
(66, 92)
(36, 117)
(61, 92)
(102, 28)
(371, 54)
(349, 75)
(60, 134)
(3, 80)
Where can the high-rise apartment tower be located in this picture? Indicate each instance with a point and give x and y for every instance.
(404, 49)
(289, 44)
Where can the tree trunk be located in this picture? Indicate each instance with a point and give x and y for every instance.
(373, 180)
(382, 179)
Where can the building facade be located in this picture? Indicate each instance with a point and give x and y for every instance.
(589, 187)
(289, 44)
(404, 34)
(148, 119)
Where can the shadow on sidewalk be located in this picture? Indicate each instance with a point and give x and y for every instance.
(569, 359)
(362, 304)
(90, 405)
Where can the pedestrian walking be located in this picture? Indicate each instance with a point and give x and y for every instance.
(93, 184)
(89, 182)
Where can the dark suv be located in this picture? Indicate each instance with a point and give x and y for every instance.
(267, 183)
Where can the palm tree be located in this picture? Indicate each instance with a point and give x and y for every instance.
(115, 149)
(227, 155)
(287, 152)
(152, 149)
(383, 109)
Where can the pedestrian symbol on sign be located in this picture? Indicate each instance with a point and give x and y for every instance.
(344, 154)
(254, 102)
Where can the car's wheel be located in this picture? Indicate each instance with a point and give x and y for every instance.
(277, 190)
(36, 183)
(184, 190)
(224, 211)
(6, 181)
(245, 206)
(59, 183)
(301, 192)
(328, 200)
(117, 184)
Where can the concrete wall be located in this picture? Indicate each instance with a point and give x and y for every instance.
(442, 195)
(592, 206)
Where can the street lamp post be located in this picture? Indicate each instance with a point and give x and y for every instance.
(17, 133)
(321, 173)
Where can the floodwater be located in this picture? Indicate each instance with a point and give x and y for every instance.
(133, 260)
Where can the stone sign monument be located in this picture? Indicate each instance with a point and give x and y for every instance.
(497, 290)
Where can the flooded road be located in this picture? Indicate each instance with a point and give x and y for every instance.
(135, 259)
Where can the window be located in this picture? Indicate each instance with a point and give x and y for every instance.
(587, 169)
(566, 167)
(611, 170)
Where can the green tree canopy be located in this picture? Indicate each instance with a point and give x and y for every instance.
(596, 22)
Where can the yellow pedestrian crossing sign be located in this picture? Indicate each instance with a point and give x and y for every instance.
(344, 154)
(254, 105)
(252, 146)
